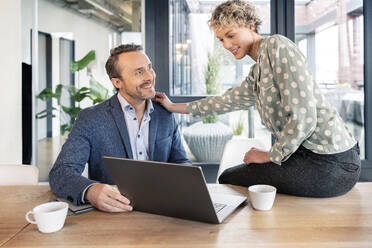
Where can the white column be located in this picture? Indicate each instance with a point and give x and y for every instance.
(55, 81)
(10, 82)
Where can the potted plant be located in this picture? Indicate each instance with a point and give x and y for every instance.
(238, 128)
(207, 138)
(96, 92)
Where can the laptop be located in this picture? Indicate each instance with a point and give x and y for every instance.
(169, 189)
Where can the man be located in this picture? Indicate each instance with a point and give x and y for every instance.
(128, 125)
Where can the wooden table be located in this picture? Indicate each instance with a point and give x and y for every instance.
(14, 203)
(344, 221)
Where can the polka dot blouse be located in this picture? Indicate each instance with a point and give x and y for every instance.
(288, 100)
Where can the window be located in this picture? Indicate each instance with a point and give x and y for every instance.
(191, 41)
(330, 34)
(282, 14)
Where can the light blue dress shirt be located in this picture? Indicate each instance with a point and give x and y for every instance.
(138, 134)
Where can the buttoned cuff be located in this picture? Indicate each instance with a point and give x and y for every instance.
(275, 156)
(83, 194)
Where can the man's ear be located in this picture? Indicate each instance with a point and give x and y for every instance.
(116, 82)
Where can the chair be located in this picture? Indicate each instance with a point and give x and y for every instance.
(18, 175)
(234, 151)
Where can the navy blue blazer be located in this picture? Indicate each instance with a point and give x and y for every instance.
(100, 131)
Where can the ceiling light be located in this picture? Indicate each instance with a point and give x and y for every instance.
(96, 5)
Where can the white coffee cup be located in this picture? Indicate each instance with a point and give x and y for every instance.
(49, 217)
(262, 196)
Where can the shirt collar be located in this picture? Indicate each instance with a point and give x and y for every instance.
(125, 106)
(261, 46)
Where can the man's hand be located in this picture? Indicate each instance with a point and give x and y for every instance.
(107, 198)
(256, 156)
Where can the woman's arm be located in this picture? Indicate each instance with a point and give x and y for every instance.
(238, 98)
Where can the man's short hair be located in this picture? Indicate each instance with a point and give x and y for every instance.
(112, 68)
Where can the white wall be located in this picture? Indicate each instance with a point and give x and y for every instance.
(10, 82)
(87, 33)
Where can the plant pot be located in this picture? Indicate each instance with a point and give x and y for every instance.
(207, 141)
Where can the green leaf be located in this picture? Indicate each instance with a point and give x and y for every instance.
(46, 113)
(45, 95)
(97, 100)
(44, 116)
(65, 128)
(211, 72)
(58, 93)
(81, 64)
(98, 92)
(50, 109)
(84, 89)
(80, 96)
(71, 89)
(210, 119)
(239, 127)
(72, 111)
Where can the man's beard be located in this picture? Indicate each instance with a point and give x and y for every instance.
(146, 84)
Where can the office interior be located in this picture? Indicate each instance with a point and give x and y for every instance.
(40, 38)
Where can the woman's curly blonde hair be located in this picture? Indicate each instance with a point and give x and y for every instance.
(235, 12)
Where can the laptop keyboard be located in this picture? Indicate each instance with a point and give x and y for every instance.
(218, 206)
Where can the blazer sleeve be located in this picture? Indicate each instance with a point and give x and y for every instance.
(177, 154)
(65, 178)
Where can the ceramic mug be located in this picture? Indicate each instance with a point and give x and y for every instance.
(262, 196)
(49, 217)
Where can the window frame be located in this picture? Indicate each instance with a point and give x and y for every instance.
(282, 22)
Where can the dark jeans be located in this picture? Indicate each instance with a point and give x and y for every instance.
(305, 173)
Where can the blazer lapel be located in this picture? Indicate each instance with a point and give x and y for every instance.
(118, 115)
(152, 133)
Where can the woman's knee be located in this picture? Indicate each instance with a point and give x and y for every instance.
(231, 175)
(225, 177)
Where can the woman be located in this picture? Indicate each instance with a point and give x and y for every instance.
(314, 154)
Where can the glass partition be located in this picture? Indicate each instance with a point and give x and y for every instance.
(193, 46)
(330, 34)
(69, 30)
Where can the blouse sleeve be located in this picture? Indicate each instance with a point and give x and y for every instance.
(295, 81)
(238, 98)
